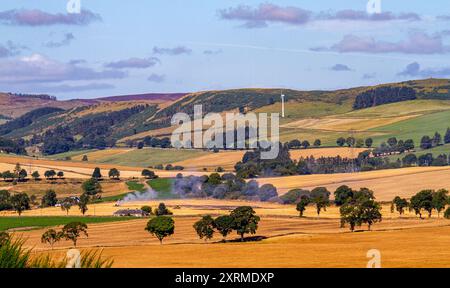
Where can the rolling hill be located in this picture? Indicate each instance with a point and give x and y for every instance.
(407, 109)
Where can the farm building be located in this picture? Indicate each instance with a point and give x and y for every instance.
(130, 213)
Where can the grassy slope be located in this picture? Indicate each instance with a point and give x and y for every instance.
(22, 222)
(163, 186)
(425, 115)
(416, 128)
(149, 157)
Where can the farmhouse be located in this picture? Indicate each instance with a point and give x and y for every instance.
(130, 213)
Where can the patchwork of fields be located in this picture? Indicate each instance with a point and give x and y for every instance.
(312, 241)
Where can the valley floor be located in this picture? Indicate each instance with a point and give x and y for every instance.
(289, 241)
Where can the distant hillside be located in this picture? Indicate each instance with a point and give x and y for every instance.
(107, 121)
(16, 105)
(154, 97)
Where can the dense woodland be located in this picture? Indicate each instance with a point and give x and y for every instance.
(383, 95)
(27, 119)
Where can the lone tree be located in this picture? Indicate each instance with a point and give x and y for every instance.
(22, 175)
(245, 221)
(422, 200)
(51, 237)
(66, 205)
(302, 204)
(36, 176)
(320, 196)
(148, 174)
(161, 227)
(440, 200)
(60, 175)
(97, 174)
(224, 225)
(49, 199)
(340, 141)
(73, 230)
(85, 158)
(369, 142)
(50, 174)
(147, 209)
(83, 203)
(205, 227)
(114, 174)
(399, 204)
(91, 187)
(317, 143)
(162, 210)
(20, 202)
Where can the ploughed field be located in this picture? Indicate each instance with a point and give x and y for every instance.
(286, 240)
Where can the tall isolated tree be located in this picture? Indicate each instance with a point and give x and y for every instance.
(20, 202)
(114, 173)
(245, 221)
(205, 227)
(66, 205)
(97, 174)
(83, 203)
(73, 231)
(51, 237)
(161, 227)
(369, 142)
(49, 199)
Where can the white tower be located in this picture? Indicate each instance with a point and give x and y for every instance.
(282, 105)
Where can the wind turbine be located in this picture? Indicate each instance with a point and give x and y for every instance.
(282, 104)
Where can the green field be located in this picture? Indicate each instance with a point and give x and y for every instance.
(163, 186)
(39, 222)
(415, 128)
(427, 117)
(135, 186)
(150, 157)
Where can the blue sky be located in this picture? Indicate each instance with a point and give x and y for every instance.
(125, 47)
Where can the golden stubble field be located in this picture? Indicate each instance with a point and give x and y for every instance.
(290, 241)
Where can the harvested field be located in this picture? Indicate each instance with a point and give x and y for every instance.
(386, 184)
